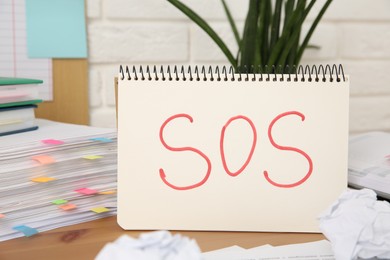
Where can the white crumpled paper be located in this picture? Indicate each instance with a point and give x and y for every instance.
(358, 226)
(158, 245)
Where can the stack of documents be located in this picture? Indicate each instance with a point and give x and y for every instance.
(58, 175)
(369, 162)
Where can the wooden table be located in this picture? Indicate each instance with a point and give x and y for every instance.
(84, 241)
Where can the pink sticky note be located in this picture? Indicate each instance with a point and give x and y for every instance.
(86, 191)
(52, 141)
(43, 159)
(2, 215)
(387, 156)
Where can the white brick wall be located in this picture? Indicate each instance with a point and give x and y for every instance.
(355, 33)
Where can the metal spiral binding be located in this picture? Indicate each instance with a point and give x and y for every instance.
(228, 73)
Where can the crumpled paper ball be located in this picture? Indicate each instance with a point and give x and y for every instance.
(158, 245)
(358, 226)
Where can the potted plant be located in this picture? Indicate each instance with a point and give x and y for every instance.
(271, 33)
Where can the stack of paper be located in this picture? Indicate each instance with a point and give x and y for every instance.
(58, 175)
(369, 162)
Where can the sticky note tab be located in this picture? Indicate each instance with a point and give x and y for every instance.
(43, 179)
(52, 141)
(92, 157)
(2, 215)
(107, 192)
(67, 206)
(100, 210)
(43, 159)
(102, 139)
(26, 230)
(86, 191)
(387, 156)
(59, 201)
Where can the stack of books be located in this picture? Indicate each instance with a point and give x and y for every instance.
(18, 99)
(58, 175)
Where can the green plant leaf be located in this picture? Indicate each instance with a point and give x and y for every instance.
(288, 9)
(285, 38)
(204, 25)
(231, 22)
(267, 21)
(275, 26)
(295, 34)
(248, 43)
(311, 30)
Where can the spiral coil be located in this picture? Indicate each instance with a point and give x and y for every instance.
(228, 73)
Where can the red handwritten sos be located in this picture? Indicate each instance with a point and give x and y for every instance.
(222, 151)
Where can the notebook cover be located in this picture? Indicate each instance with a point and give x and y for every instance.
(21, 103)
(18, 81)
(3, 109)
(19, 131)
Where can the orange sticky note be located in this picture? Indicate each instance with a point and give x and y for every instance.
(2, 215)
(43, 179)
(68, 206)
(107, 192)
(100, 210)
(86, 191)
(52, 141)
(92, 157)
(43, 159)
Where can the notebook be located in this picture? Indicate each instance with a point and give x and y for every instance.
(205, 148)
(19, 91)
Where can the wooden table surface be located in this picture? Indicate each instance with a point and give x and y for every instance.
(84, 241)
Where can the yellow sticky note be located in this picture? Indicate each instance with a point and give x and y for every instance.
(107, 192)
(43, 179)
(92, 157)
(100, 210)
(43, 159)
(68, 206)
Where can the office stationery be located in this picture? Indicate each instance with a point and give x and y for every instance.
(208, 149)
(56, 29)
(46, 183)
(19, 91)
(368, 162)
(14, 61)
(17, 119)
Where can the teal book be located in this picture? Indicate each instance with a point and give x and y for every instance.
(4, 81)
(16, 90)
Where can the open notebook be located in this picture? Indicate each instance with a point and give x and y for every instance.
(209, 149)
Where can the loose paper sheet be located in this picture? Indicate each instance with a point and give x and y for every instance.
(192, 155)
